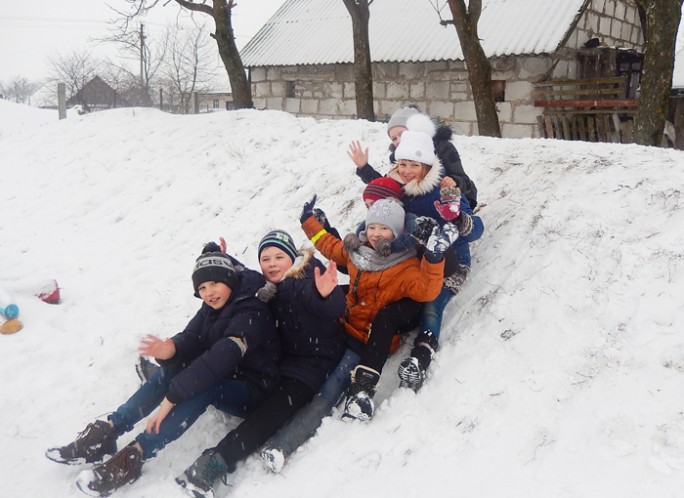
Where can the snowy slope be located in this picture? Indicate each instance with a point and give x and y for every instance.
(562, 364)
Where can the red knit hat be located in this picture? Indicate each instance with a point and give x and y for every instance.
(383, 188)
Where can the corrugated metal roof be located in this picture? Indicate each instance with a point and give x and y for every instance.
(320, 31)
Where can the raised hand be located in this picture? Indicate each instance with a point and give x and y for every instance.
(358, 154)
(449, 204)
(326, 282)
(161, 349)
(308, 209)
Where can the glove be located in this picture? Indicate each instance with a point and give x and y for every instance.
(423, 229)
(351, 242)
(322, 218)
(383, 247)
(441, 240)
(308, 210)
(267, 292)
(211, 247)
(449, 204)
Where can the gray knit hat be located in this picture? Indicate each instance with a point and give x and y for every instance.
(400, 116)
(388, 212)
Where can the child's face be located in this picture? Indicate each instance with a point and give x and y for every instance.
(215, 294)
(376, 231)
(274, 263)
(395, 134)
(410, 170)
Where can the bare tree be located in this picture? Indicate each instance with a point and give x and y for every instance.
(221, 12)
(479, 69)
(19, 89)
(363, 71)
(187, 68)
(660, 22)
(74, 70)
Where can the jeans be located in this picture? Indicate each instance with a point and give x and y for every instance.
(304, 424)
(431, 318)
(231, 396)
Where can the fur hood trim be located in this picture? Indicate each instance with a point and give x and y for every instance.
(297, 270)
(443, 134)
(417, 188)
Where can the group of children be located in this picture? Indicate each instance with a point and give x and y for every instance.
(281, 348)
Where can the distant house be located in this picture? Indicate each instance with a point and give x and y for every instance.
(301, 61)
(215, 101)
(97, 95)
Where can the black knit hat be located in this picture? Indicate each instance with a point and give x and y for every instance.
(213, 267)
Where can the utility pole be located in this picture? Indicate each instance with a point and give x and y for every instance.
(142, 55)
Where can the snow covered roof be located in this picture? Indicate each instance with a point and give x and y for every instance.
(320, 31)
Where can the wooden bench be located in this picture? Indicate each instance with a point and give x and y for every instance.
(593, 110)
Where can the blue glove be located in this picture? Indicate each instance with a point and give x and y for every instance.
(308, 210)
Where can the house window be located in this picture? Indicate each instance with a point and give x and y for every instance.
(289, 89)
(499, 90)
(216, 103)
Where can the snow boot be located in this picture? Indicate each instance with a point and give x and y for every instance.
(455, 281)
(359, 403)
(145, 369)
(412, 369)
(91, 446)
(203, 477)
(123, 468)
(273, 459)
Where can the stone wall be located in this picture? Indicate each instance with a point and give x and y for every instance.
(441, 88)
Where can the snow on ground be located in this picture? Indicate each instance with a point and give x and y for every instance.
(562, 361)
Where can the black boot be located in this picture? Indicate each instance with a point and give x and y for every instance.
(359, 403)
(412, 369)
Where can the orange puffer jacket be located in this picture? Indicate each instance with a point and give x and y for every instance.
(370, 291)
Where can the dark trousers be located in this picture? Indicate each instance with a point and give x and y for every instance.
(395, 318)
(264, 422)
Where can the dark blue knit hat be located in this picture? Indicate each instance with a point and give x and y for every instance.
(280, 239)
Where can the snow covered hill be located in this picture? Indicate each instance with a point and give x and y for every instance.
(562, 366)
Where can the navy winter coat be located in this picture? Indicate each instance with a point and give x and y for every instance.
(310, 327)
(238, 341)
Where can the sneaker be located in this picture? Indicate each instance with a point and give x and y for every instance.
(123, 468)
(359, 406)
(359, 403)
(91, 446)
(411, 375)
(145, 368)
(200, 478)
(273, 459)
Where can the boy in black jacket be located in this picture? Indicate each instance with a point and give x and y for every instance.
(226, 356)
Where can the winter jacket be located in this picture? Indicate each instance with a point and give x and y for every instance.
(448, 157)
(370, 291)
(310, 326)
(419, 197)
(238, 341)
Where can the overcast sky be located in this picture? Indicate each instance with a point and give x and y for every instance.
(33, 32)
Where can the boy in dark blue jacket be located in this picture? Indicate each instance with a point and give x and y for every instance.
(226, 356)
(308, 305)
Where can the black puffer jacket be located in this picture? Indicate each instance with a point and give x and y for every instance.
(239, 341)
(311, 334)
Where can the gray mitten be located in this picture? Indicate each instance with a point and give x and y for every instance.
(267, 292)
(383, 247)
(351, 242)
(441, 240)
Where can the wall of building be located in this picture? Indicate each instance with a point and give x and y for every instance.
(441, 88)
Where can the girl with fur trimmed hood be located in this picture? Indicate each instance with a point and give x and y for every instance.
(308, 305)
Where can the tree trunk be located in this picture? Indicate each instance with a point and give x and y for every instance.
(363, 71)
(479, 68)
(660, 33)
(225, 40)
